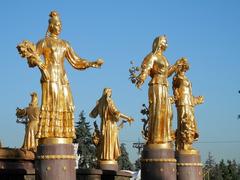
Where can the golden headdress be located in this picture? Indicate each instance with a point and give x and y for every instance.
(157, 42)
(54, 17)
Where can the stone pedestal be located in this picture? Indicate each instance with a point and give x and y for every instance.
(89, 174)
(158, 162)
(55, 160)
(189, 165)
(98, 174)
(16, 164)
(108, 165)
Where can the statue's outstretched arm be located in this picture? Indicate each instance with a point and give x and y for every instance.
(129, 119)
(80, 63)
(172, 69)
(117, 113)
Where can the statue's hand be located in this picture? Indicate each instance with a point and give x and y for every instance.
(130, 120)
(139, 82)
(98, 63)
(181, 61)
(199, 100)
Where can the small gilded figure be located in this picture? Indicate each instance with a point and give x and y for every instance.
(185, 102)
(30, 117)
(156, 65)
(57, 108)
(107, 141)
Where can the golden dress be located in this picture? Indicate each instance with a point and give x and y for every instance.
(109, 142)
(156, 65)
(30, 142)
(57, 109)
(187, 128)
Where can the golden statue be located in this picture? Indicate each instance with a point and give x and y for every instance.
(158, 68)
(31, 114)
(107, 141)
(186, 131)
(57, 108)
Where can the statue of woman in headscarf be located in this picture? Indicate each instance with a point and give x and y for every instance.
(156, 65)
(31, 115)
(108, 142)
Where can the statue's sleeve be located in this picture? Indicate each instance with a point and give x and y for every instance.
(146, 66)
(74, 59)
(113, 109)
(94, 113)
(39, 47)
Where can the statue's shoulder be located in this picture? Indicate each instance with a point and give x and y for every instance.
(178, 77)
(65, 42)
(150, 58)
(41, 42)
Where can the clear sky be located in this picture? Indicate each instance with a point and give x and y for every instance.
(206, 32)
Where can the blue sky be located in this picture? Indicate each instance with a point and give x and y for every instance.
(206, 32)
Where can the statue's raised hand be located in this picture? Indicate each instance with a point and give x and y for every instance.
(97, 64)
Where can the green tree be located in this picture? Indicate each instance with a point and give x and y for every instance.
(209, 167)
(217, 173)
(233, 169)
(86, 148)
(225, 171)
(238, 170)
(137, 164)
(123, 161)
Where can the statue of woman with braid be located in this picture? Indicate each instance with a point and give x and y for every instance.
(57, 108)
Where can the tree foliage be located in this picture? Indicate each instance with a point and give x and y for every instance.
(86, 148)
(123, 161)
(221, 170)
(137, 164)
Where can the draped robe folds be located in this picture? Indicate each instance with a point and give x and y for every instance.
(57, 108)
(109, 148)
(160, 111)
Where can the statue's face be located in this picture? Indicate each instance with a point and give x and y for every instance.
(55, 27)
(182, 68)
(164, 44)
(109, 93)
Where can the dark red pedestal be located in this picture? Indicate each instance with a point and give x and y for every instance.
(189, 166)
(108, 165)
(55, 162)
(158, 162)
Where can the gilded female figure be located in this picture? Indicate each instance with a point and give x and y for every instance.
(31, 114)
(187, 127)
(158, 68)
(57, 109)
(109, 148)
